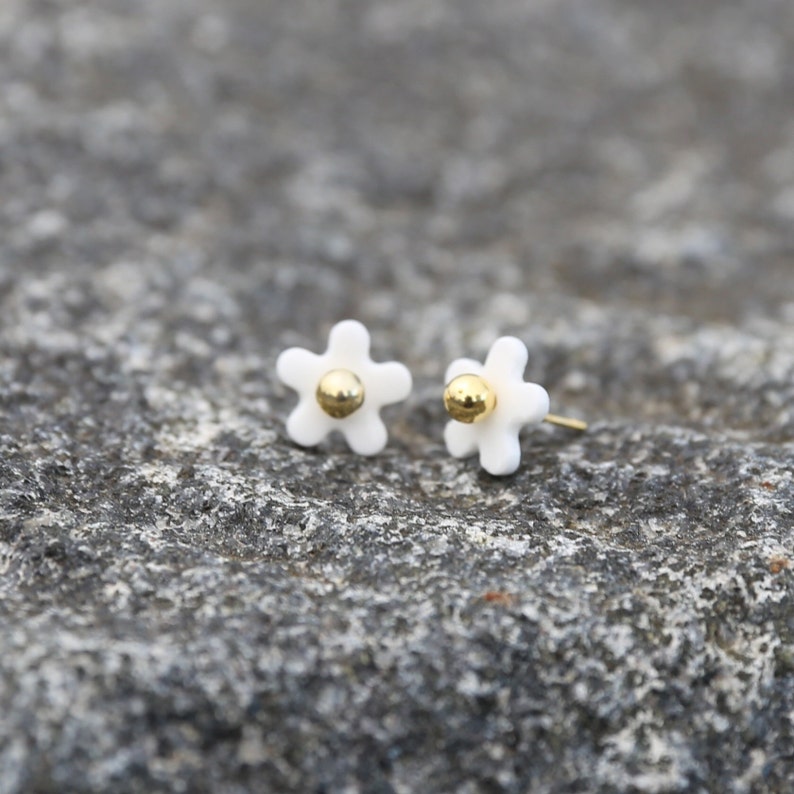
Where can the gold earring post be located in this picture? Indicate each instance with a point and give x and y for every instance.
(469, 398)
(565, 421)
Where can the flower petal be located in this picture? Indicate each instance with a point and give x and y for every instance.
(507, 359)
(462, 366)
(500, 451)
(461, 439)
(386, 383)
(364, 432)
(307, 424)
(522, 404)
(348, 345)
(299, 369)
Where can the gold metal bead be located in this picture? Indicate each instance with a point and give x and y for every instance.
(340, 393)
(469, 398)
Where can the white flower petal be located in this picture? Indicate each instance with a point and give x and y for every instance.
(308, 424)
(299, 369)
(462, 366)
(348, 345)
(507, 360)
(522, 404)
(461, 439)
(500, 451)
(385, 384)
(364, 432)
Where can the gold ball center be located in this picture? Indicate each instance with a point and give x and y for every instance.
(340, 393)
(469, 398)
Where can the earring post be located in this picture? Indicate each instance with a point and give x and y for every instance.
(565, 421)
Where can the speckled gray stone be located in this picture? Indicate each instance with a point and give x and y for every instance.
(189, 602)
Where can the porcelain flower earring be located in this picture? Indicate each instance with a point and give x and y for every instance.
(343, 389)
(489, 404)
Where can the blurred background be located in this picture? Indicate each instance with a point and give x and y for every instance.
(445, 171)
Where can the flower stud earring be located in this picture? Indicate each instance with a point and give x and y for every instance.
(489, 404)
(342, 389)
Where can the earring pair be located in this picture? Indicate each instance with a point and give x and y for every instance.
(344, 389)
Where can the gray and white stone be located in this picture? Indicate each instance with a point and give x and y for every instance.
(189, 602)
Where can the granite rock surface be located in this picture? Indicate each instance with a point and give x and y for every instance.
(189, 602)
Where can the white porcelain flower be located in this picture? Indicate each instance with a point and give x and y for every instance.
(492, 405)
(343, 389)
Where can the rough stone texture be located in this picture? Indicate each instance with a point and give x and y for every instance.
(188, 602)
